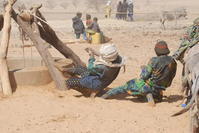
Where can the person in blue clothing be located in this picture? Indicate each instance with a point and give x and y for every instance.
(103, 68)
(130, 10)
(78, 26)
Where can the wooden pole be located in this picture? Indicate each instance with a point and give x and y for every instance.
(49, 35)
(7, 90)
(33, 33)
(1, 21)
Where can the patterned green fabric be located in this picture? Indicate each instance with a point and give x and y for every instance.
(139, 87)
(91, 63)
(154, 77)
(139, 83)
(136, 86)
(94, 69)
(191, 37)
(133, 87)
(146, 72)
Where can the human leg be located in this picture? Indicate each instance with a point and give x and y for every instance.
(131, 17)
(115, 91)
(77, 35)
(132, 87)
(82, 71)
(84, 36)
(74, 83)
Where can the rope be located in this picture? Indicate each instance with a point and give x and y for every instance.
(40, 19)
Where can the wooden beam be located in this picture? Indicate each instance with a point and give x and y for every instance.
(49, 35)
(1, 21)
(6, 87)
(33, 33)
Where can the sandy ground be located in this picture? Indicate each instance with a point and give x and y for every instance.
(46, 110)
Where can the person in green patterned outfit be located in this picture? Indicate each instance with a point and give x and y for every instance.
(190, 38)
(154, 78)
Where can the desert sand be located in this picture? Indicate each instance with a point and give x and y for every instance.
(44, 109)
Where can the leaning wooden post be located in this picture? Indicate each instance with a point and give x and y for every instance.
(49, 35)
(7, 90)
(1, 90)
(1, 21)
(33, 33)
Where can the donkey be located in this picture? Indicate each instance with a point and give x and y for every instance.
(191, 74)
(172, 15)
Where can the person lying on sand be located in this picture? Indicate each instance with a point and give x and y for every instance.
(100, 72)
(155, 77)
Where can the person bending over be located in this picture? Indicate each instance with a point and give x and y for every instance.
(102, 69)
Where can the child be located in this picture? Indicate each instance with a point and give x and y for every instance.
(78, 26)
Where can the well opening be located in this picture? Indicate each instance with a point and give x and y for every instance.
(28, 72)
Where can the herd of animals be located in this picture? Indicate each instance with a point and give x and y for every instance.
(191, 70)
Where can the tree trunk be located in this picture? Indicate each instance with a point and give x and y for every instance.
(33, 33)
(6, 87)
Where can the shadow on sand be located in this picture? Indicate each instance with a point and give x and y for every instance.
(136, 99)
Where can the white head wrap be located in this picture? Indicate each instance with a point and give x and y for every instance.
(108, 52)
